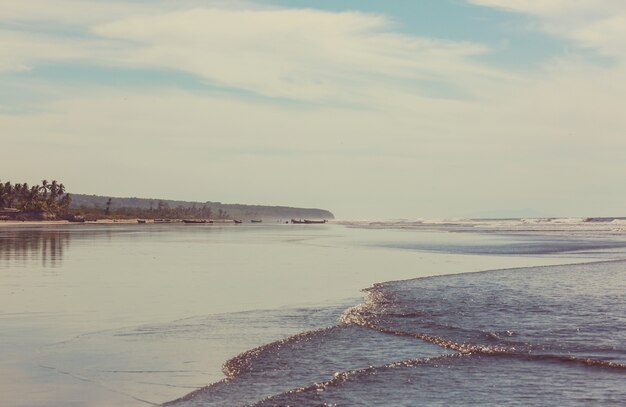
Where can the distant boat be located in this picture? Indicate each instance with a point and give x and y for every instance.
(306, 221)
(237, 221)
(141, 221)
(75, 218)
(256, 220)
(194, 221)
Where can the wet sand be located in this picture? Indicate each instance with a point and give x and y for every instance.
(96, 315)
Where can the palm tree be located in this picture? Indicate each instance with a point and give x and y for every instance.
(50, 197)
(108, 208)
(54, 189)
(44, 187)
(66, 201)
(9, 193)
(18, 194)
(4, 197)
(26, 192)
(32, 200)
(56, 192)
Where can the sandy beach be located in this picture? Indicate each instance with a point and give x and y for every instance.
(64, 222)
(103, 222)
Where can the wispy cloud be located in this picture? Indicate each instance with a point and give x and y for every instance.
(596, 24)
(295, 54)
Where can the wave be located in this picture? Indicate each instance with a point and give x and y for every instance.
(308, 357)
(556, 310)
(354, 316)
(503, 327)
(340, 378)
(244, 362)
(458, 380)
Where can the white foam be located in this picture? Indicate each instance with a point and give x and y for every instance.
(570, 221)
(565, 225)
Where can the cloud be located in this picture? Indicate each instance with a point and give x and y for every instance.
(595, 24)
(296, 54)
(20, 51)
(392, 124)
(76, 13)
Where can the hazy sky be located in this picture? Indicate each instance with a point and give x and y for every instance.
(369, 108)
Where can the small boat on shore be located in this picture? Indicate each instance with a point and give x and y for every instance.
(256, 220)
(195, 221)
(141, 221)
(237, 221)
(307, 221)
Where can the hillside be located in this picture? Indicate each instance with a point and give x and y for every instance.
(235, 211)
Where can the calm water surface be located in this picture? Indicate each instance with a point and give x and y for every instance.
(100, 315)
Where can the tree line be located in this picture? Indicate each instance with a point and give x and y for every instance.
(157, 210)
(49, 197)
(50, 200)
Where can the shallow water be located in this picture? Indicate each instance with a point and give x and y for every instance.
(536, 336)
(96, 315)
(465, 380)
(573, 311)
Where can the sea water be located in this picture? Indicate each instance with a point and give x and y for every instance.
(273, 315)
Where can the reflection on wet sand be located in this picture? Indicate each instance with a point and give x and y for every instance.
(20, 247)
(106, 320)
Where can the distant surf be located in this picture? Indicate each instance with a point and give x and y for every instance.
(510, 225)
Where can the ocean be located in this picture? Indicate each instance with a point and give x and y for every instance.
(461, 312)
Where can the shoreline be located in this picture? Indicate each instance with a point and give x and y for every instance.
(90, 286)
(64, 222)
(105, 222)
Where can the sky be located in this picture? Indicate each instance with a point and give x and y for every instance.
(372, 109)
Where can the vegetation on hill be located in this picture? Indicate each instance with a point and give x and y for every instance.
(48, 200)
(160, 210)
(91, 205)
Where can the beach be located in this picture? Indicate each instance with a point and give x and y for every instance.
(128, 314)
(64, 222)
(312, 203)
